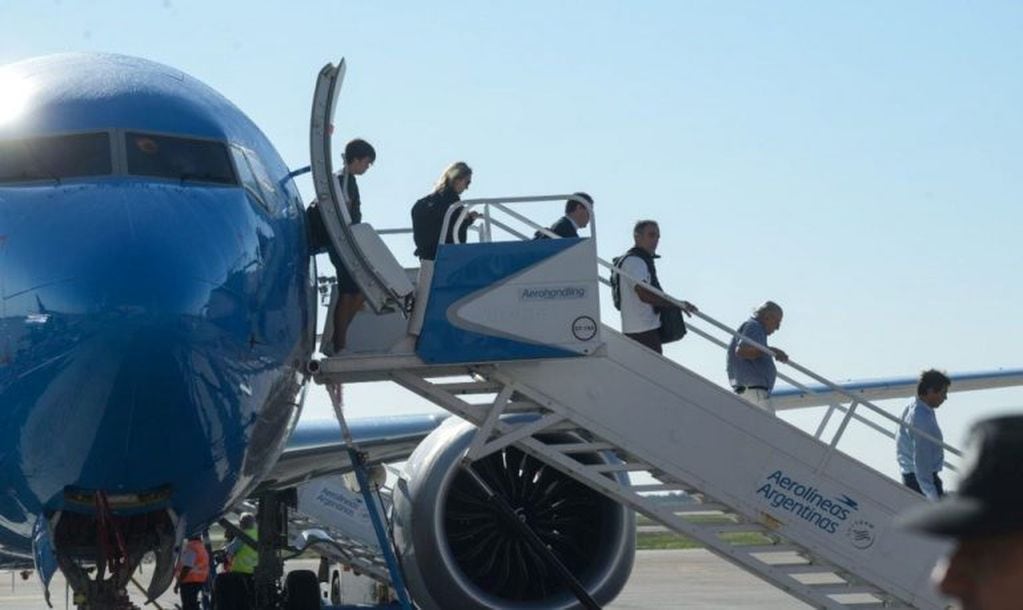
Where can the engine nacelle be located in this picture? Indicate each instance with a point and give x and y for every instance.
(457, 552)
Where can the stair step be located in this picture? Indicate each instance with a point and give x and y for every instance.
(659, 487)
(520, 406)
(572, 448)
(619, 467)
(710, 508)
(809, 568)
(738, 528)
(470, 387)
(763, 549)
(842, 588)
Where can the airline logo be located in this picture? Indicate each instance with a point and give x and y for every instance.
(333, 506)
(545, 293)
(828, 513)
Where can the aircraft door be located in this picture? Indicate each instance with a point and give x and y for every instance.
(380, 278)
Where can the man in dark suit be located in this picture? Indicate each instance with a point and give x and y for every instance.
(576, 217)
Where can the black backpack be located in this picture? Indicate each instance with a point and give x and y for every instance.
(616, 283)
(673, 326)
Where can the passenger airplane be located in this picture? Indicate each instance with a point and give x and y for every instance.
(158, 315)
(159, 308)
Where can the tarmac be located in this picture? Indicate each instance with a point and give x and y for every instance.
(692, 578)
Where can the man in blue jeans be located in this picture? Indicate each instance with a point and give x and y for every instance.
(921, 458)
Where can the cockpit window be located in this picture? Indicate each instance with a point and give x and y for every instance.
(182, 159)
(55, 157)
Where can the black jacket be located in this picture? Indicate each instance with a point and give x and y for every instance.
(427, 218)
(562, 228)
(651, 266)
(319, 241)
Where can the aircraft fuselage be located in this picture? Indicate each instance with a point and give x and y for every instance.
(158, 300)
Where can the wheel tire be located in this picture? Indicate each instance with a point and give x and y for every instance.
(229, 592)
(302, 590)
(335, 588)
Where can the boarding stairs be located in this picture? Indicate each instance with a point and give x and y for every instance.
(824, 518)
(690, 436)
(337, 546)
(333, 540)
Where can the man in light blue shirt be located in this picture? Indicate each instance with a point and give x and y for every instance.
(920, 458)
(752, 372)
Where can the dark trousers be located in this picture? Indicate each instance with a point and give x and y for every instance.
(909, 478)
(649, 338)
(190, 595)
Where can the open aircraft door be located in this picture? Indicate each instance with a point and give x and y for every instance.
(380, 278)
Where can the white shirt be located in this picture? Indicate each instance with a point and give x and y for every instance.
(637, 316)
(916, 454)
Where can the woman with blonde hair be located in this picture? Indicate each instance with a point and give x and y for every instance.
(427, 219)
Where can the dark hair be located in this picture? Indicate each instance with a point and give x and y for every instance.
(641, 226)
(359, 149)
(572, 204)
(767, 307)
(932, 379)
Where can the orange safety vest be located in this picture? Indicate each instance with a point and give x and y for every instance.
(200, 571)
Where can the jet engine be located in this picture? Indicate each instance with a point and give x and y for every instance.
(459, 552)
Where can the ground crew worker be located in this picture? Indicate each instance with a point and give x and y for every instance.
(242, 557)
(193, 571)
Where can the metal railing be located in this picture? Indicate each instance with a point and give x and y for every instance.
(849, 412)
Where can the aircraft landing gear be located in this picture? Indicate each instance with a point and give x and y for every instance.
(99, 552)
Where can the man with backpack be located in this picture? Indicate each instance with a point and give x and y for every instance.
(642, 309)
(359, 157)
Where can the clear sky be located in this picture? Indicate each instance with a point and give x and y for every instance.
(858, 162)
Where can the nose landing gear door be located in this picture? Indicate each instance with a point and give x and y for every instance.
(370, 263)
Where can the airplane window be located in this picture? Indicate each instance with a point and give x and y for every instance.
(261, 174)
(55, 157)
(179, 158)
(248, 180)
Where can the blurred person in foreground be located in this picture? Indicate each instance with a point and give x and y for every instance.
(985, 518)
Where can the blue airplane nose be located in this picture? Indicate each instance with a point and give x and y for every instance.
(129, 334)
(93, 249)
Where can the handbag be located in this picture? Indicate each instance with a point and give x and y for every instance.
(673, 327)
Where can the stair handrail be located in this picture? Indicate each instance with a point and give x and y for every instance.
(501, 203)
(854, 400)
(465, 206)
